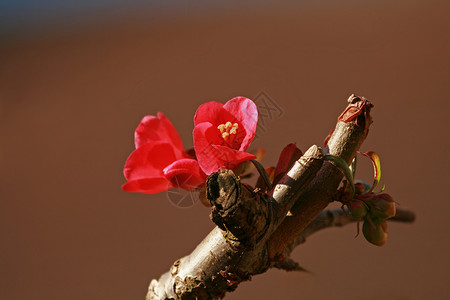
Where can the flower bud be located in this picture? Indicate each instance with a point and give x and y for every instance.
(361, 187)
(375, 232)
(358, 209)
(382, 206)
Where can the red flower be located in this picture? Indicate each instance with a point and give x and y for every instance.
(159, 161)
(223, 132)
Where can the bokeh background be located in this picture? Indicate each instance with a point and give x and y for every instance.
(77, 77)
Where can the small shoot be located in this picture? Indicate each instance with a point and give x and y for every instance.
(342, 165)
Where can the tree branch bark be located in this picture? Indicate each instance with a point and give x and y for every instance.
(337, 218)
(256, 231)
(350, 132)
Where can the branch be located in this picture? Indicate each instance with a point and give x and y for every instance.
(251, 216)
(253, 232)
(236, 248)
(351, 130)
(339, 218)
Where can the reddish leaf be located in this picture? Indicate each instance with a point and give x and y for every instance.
(289, 155)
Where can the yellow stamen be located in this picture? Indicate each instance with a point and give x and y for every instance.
(228, 131)
(221, 127)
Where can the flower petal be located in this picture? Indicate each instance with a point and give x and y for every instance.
(232, 158)
(205, 134)
(148, 185)
(208, 112)
(185, 173)
(246, 113)
(149, 161)
(212, 150)
(152, 129)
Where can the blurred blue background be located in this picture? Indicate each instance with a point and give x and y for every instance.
(28, 16)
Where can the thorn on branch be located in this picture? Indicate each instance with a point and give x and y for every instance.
(289, 265)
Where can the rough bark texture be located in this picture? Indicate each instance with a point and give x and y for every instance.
(338, 218)
(236, 248)
(351, 130)
(255, 230)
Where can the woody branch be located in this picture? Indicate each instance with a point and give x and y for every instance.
(253, 231)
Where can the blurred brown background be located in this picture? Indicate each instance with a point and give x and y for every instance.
(71, 95)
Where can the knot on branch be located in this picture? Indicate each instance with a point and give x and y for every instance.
(237, 209)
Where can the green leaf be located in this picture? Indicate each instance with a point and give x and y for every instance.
(260, 182)
(342, 165)
(245, 169)
(376, 168)
(353, 166)
(263, 173)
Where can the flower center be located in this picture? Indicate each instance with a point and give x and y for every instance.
(228, 131)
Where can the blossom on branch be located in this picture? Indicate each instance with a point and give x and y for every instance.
(223, 132)
(159, 161)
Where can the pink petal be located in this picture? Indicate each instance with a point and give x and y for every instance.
(246, 112)
(152, 129)
(185, 173)
(148, 185)
(149, 161)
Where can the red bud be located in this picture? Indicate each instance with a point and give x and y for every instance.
(358, 209)
(375, 232)
(361, 187)
(382, 206)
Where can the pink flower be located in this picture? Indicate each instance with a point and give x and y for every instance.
(223, 132)
(159, 161)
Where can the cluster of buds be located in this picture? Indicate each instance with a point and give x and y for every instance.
(373, 209)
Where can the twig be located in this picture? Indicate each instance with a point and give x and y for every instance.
(351, 130)
(339, 218)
